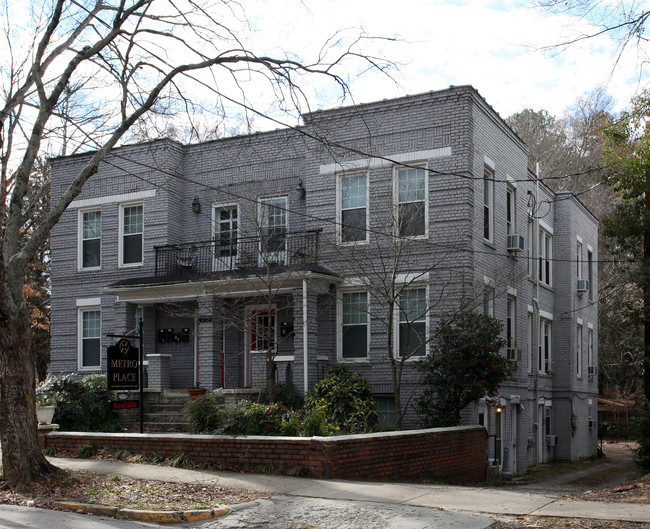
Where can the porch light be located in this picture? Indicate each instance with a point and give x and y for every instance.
(302, 192)
(196, 205)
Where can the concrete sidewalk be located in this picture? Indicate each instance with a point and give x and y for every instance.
(492, 501)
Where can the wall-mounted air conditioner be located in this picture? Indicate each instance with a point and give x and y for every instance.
(551, 440)
(515, 243)
(514, 354)
(583, 285)
(592, 424)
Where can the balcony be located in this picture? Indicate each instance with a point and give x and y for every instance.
(273, 252)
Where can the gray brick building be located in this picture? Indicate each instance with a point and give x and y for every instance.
(341, 242)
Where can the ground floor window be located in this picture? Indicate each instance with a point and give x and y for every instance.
(387, 413)
(354, 327)
(89, 338)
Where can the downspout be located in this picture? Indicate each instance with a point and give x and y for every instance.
(305, 336)
(539, 322)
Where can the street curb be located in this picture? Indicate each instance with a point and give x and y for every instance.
(160, 517)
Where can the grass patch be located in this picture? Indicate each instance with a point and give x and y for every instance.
(552, 470)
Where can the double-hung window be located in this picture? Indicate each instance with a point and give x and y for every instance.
(590, 272)
(545, 251)
(131, 234)
(510, 322)
(590, 348)
(90, 229)
(354, 208)
(412, 331)
(411, 202)
(511, 210)
(89, 335)
(354, 325)
(579, 259)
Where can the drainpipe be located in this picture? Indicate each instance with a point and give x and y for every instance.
(305, 335)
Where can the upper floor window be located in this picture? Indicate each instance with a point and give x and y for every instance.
(225, 236)
(412, 331)
(545, 359)
(354, 208)
(579, 350)
(354, 325)
(411, 202)
(579, 259)
(590, 348)
(89, 336)
(90, 239)
(545, 250)
(488, 203)
(488, 300)
(510, 322)
(590, 273)
(511, 210)
(131, 233)
(273, 228)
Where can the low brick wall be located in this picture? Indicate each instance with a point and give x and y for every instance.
(454, 455)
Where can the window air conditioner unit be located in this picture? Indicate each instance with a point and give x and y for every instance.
(514, 354)
(515, 243)
(583, 285)
(551, 440)
(592, 424)
(592, 370)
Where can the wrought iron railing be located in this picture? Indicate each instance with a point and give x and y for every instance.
(226, 253)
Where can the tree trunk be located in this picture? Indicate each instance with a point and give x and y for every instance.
(22, 459)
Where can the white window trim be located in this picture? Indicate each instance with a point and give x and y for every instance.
(396, 201)
(590, 345)
(529, 339)
(488, 189)
(543, 258)
(215, 222)
(511, 301)
(542, 360)
(579, 349)
(339, 327)
(81, 308)
(396, 322)
(120, 249)
(254, 309)
(80, 240)
(512, 201)
(579, 259)
(339, 208)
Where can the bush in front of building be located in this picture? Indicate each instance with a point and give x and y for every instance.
(344, 401)
(82, 404)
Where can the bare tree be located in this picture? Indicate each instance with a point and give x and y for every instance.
(127, 62)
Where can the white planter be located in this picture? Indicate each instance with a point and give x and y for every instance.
(45, 414)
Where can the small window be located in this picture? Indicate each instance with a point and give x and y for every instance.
(411, 202)
(386, 412)
(91, 234)
(354, 330)
(132, 231)
(89, 338)
(354, 208)
(413, 322)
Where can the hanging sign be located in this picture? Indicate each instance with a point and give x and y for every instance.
(123, 363)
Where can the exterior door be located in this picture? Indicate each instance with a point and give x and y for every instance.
(273, 231)
(225, 220)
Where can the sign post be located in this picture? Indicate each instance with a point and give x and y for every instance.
(125, 367)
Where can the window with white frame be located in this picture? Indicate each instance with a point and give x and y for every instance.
(590, 347)
(225, 233)
(412, 331)
(511, 210)
(273, 228)
(354, 325)
(90, 235)
(488, 204)
(89, 337)
(545, 251)
(579, 350)
(545, 359)
(262, 335)
(511, 329)
(579, 259)
(131, 233)
(590, 273)
(411, 202)
(354, 208)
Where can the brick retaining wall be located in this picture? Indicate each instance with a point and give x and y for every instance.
(455, 455)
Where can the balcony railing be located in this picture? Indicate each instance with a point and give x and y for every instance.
(277, 250)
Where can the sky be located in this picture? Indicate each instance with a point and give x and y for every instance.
(494, 46)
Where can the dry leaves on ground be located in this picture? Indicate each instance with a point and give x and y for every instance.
(122, 492)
